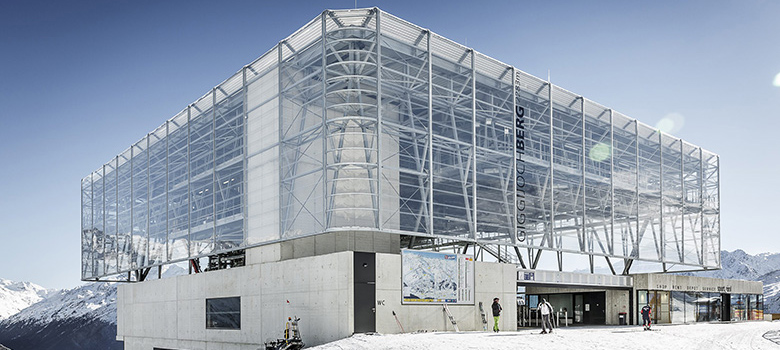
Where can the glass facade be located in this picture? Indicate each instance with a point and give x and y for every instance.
(363, 121)
(175, 194)
(688, 307)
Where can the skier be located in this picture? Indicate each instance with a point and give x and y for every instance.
(546, 310)
(496, 313)
(646, 312)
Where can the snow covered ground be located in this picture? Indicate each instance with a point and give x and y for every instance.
(745, 335)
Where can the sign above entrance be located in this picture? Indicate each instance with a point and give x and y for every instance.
(558, 278)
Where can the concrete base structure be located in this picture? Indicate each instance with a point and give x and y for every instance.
(171, 313)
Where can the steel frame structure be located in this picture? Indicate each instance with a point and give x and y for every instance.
(380, 125)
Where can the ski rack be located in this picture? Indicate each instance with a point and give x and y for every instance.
(452, 319)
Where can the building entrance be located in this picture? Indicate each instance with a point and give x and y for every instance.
(365, 292)
(570, 308)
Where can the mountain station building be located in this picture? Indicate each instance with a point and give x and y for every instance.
(367, 174)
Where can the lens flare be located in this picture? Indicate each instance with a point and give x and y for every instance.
(671, 123)
(600, 152)
(777, 80)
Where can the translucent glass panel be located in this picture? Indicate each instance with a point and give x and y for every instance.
(124, 205)
(452, 189)
(692, 195)
(452, 128)
(598, 181)
(98, 223)
(158, 192)
(649, 184)
(671, 215)
(301, 122)
(568, 194)
(110, 207)
(262, 158)
(624, 177)
(494, 137)
(405, 156)
(201, 173)
(534, 202)
(173, 194)
(140, 204)
(178, 187)
(351, 185)
(711, 209)
(87, 263)
(229, 166)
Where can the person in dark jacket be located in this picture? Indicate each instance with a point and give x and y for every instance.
(646, 312)
(496, 313)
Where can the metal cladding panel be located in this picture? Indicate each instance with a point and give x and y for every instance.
(262, 64)
(493, 68)
(410, 34)
(353, 18)
(229, 86)
(450, 50)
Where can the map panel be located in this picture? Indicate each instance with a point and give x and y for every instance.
(437, 278)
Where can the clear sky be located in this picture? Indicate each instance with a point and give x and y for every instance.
(82, 80)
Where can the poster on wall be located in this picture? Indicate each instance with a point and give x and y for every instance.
(437, 278)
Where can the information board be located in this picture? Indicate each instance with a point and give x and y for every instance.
(437, 278)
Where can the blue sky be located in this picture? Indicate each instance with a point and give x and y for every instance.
(82, 80)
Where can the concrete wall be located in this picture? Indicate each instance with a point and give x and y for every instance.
(171, 312)
(617, 302)
(341, 241)
(492, 280)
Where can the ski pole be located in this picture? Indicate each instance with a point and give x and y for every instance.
(398, 322)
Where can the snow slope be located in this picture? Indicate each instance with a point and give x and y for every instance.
(15, 296)
(711, 336)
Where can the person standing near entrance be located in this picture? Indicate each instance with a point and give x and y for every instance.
(496, 313)
(546, 310)
(646, 312)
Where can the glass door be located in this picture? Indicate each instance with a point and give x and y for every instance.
(578, 308)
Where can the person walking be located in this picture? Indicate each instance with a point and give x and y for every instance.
(546, 310)
(646, 312)
(496, 313)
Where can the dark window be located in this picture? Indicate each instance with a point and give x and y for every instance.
(223, 313)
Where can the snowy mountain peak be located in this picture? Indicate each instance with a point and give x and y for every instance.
(16, 296)
(92, 300)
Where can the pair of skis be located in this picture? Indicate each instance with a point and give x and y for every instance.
(450, 317)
